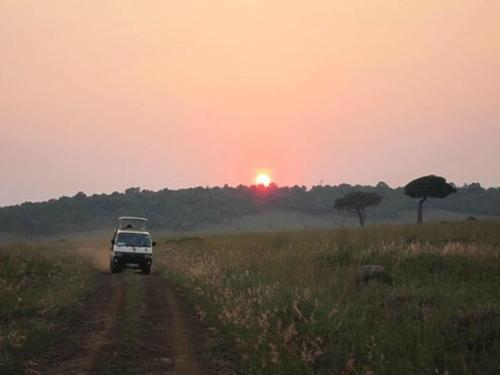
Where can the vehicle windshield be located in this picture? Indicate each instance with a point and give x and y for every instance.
(133, 239)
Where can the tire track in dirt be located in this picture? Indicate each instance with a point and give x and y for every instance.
(175, 343)
(169, 338)
(177, 336)
(187, 349)
(121, 353)
(81, 340)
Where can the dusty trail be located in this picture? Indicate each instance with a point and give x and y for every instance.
(176, 342)
(81, 340)
(167, 339)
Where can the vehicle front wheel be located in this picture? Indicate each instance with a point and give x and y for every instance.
(114, 269)
(146, 270)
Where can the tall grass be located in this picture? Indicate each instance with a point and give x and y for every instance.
(39, 286)
(290, 303)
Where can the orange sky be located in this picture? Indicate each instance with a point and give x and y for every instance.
(98, 96)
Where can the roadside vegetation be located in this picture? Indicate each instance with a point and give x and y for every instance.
(40, 286)
(292, 303)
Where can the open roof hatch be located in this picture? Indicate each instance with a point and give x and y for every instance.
(133, 223)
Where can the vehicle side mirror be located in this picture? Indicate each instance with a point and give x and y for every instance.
(113, 241)
(154, 243)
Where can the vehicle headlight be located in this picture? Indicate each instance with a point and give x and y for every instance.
(118, 254)
(148, 256)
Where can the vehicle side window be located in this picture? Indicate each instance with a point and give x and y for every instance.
(113, 239)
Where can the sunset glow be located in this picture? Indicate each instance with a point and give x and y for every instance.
(193, 93)
(263, 179)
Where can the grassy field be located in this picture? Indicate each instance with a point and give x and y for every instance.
(290, 302)
(39, 287)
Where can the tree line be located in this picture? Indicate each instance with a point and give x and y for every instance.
(189, 209)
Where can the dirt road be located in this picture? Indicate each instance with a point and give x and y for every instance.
(135, 324)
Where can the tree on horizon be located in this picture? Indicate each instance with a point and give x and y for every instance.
(431, 186)
(357, 202)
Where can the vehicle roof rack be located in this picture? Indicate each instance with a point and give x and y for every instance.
(132, 222)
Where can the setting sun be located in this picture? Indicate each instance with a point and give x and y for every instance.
(263, 179)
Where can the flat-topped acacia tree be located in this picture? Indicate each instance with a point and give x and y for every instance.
(357, 202)
(428, 187)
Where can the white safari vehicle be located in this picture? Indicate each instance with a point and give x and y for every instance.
(131, 246)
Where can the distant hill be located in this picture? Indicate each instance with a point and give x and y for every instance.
(235, 208)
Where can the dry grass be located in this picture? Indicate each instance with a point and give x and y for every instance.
(39, 286)
(289, 301)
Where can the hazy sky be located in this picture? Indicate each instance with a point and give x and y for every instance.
(97, 96)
